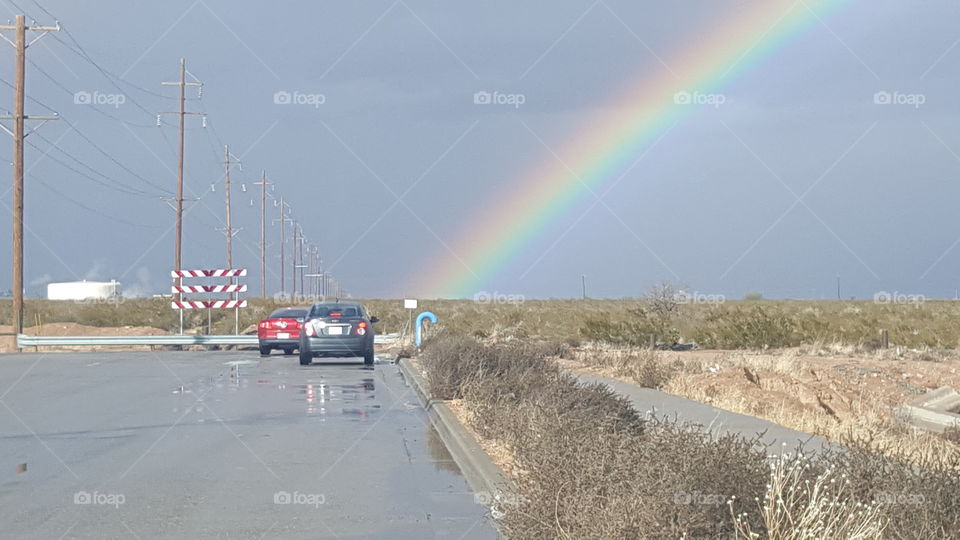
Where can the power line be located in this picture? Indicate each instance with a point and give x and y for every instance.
(82, 52)
(114, 160)
(118, 187)
(31, 98)
(119, 184)
(74, 94)
(85, 207)
(97, 147)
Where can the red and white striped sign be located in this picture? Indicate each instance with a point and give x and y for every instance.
(208, 273)
(215, 304)
(208, 288)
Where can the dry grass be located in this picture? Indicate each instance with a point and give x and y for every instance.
(732, 325)
(801, 504)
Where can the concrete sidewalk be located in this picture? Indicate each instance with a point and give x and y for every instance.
(718, 421)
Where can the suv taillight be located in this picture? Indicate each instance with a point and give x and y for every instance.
(309, 328)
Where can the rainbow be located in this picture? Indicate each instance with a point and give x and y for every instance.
(605, 149)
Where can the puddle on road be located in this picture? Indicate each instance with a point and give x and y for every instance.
(322, 398)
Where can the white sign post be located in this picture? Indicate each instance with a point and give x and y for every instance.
(410, 304)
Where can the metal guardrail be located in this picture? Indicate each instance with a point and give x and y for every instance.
(24, 340)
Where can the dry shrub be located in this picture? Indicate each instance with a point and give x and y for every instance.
(917, 500)
(591, 466)
(749, 326)
(588, 466)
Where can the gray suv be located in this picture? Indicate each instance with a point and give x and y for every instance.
(341, 329)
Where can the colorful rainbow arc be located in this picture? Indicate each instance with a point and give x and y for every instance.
(613, 142)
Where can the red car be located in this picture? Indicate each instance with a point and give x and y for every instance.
(281, 330)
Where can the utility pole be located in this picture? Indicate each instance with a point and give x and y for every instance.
(293, 281)
(314, 270)
(283, 219)
(229, 231)
(228, 159)
(583, 285)
(263, 229)
(182, 113)
(19, 90)
(301, 266)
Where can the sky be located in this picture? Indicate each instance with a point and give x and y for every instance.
(364, 117)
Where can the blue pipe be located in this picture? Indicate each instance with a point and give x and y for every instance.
(419, 328)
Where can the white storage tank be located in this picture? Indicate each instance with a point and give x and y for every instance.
(83, 290)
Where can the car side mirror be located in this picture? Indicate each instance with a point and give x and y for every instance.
(374, 320)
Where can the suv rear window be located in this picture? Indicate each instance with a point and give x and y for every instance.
(327, 310)
(288, 314)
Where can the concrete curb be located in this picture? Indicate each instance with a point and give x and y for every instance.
(487, 480)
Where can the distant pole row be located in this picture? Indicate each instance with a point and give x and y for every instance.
(299, 270)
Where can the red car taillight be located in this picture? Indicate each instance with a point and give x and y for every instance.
(264, 324)
(362, 328)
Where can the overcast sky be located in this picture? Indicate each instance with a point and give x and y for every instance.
(397, 80)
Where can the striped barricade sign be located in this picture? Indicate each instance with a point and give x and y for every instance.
(209, 273)
(208, 288)
(214, 304)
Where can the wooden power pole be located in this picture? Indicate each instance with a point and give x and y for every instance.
(293, 282)
(226, 185)
(182, 113)
(283, 235)
(263, 232)
(20, 44)
(228, 159)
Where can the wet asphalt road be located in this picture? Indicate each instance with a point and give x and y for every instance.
(221, 445)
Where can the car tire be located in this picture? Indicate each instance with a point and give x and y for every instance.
(264, 350)
(306, 358)
(368, 357)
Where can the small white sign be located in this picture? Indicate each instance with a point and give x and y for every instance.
(410, 303)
